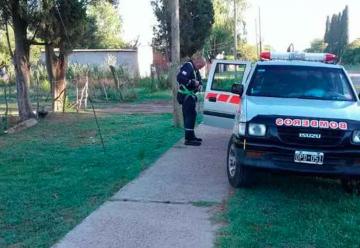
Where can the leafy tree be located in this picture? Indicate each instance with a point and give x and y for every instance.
(247, 52)
(337, 32)
(344, 30)
(105, 25)
(21, 15)
(327, 29)
(5, 56)
(352, 53)
(196, 19)
(221, 38)
(316, 46)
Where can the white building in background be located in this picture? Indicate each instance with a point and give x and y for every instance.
(137, 62)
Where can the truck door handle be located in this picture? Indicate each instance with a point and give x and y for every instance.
(212, 99)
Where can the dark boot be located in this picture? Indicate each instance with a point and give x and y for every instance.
(192, 142)
(193, 136)
(190, 139)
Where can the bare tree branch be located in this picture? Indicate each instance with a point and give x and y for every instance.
(37, 43)
(35, 32)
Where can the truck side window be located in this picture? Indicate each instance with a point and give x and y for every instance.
(226, 75)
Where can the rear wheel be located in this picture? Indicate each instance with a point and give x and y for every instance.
(238, 175)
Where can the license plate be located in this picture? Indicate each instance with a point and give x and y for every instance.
(309, 157)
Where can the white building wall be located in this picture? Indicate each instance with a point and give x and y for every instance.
(137, 63)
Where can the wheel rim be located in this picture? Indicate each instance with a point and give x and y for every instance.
(232, 161)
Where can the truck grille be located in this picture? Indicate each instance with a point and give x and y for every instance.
(329, 138)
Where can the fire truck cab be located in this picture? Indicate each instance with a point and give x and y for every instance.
(291, 112)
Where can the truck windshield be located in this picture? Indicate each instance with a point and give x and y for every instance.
(320, 83)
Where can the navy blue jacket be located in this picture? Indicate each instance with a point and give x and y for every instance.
(187, 76)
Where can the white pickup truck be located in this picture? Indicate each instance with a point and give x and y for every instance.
(290, 113)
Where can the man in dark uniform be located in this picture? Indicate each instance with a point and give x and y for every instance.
(190, 83)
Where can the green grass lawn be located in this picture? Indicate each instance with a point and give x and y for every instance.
(162, 95)
(53, 175)
(285, 211)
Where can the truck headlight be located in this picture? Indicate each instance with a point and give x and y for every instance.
(356, 137)
(257, 130)
(242, 128)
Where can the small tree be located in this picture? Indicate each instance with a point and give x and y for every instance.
(351, 54)
(316, 46)
(106, 26)
(247, 52)
(62, 27)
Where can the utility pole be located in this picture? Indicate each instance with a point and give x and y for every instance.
(175, 59)
(256, 38)
(260, 36)
(235, 30)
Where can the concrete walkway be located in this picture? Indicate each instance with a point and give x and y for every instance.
(157, 209)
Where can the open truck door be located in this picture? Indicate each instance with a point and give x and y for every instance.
(220, 104)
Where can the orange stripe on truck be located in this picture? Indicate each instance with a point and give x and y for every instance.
(235, 100)
(211, 95)
(224, 98)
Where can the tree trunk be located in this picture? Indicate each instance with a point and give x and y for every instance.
(56, 66)
(49, 57)
(175, 59)
(22, 66)
(59, 83)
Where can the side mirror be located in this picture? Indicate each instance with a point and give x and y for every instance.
(237, 89)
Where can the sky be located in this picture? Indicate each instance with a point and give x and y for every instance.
(283, 21)
(138, 20)
(297, 21)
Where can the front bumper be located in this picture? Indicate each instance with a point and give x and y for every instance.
(341, 163)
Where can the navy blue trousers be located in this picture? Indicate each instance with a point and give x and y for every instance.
(189, 115)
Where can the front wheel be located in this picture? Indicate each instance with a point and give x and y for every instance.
(238, 175)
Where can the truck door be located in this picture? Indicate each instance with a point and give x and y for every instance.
(220, 105)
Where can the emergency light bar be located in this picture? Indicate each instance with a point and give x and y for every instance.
(314, 57)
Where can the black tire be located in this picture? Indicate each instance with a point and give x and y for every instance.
(238, 176)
